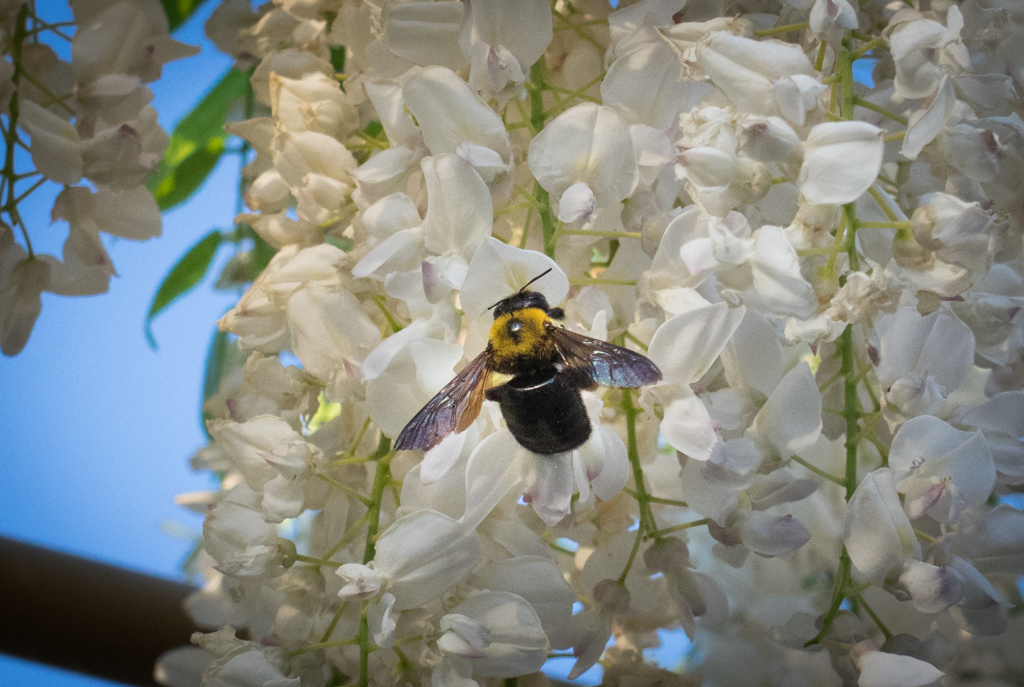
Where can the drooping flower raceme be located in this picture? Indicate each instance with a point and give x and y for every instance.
(89, 128)
(827, 272)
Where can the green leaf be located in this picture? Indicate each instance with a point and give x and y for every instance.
(185, 178)
(189, 271)
(178, 11)
(197, 142)
(262, 252)
(222, 357)
(338, 59)
(216, 357)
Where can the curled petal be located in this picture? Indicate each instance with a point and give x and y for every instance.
(773, 536)
(876, 531)
(588, 143)
(686, 346)
(549, 486)
(933, 589)
(841, 160)
(879, 669)
(423, 554)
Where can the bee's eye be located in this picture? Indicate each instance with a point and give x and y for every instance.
(515, 326)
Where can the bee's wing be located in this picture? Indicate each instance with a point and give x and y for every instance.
(453, 409)
(599, 363)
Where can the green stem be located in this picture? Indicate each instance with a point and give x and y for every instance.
(578, 30)
(851, 409)
(55, 99)
(11, 133)
(646, 524)
(868, 105)
(866, 48)
(547, 220)
(635, 340)
(602, 234)
(348, 536)
(364, 644)
(526, 226)
(322, 645)
(878, 621)
(788, 28)
(820, 61)
(845, 65)
(579, 93)
(351, 460)
(825, 250)
(850, 212)
(657, 534)
(877, 197)
(32, 188)
(43, 26)
(657, 499)
(642, 496)
(818, 471)
(334, 623)
(883, 225)
(592, 22)
(342, 487)
(380, 481)
(837, 598)
(392, 322)
(632, 554)
(316, 561)
(511, 208)
(927, 537)
(359, 437)
(573, 94)
(537, 118)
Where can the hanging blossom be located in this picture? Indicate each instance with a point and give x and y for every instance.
(89, 128)
(827, 272)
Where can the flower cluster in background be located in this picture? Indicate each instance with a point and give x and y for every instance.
(86, 125)
(828, 274)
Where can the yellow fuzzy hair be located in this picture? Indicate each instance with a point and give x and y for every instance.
(533, 338)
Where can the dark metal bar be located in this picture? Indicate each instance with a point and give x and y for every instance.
(85, 616)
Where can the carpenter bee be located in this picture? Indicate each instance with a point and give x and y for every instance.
(548, 366)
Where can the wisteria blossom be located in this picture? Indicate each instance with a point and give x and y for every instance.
(807, 214)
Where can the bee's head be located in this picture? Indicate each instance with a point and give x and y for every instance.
(522, 299)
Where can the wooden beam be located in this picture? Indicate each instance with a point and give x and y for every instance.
(93, 618)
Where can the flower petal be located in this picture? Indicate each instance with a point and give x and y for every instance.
(841, 160)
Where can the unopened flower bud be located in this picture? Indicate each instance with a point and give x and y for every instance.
(612, 596)
(21, 302)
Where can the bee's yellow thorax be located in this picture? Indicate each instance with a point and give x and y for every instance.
(531, 340)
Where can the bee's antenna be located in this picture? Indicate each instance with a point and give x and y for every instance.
(524, 286)
(534, 279)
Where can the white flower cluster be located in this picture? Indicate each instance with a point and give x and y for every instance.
(828, 275)
(90, 128)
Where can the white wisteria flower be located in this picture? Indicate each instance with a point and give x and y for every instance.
(826, 269)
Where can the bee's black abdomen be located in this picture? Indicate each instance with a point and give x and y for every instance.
(544, 412)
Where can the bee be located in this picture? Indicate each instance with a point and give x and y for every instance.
(548, 366)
